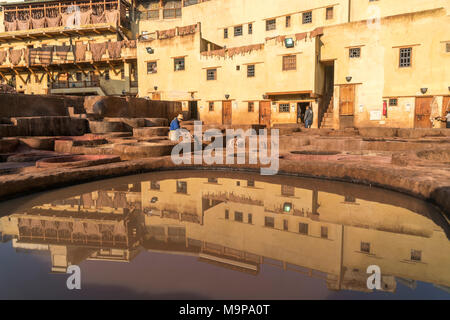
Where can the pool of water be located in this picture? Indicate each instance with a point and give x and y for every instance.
(222, 235)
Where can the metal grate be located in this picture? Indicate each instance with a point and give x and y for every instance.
(307, 17)
(289, 62)
(405, 57)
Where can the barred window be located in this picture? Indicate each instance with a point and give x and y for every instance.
(288, 21)
(182, 187)
(250, 70)
(303, 228)
(307, 17)
(405, 57)
(354, 52)
(154, 185)
(227, 214)
(251, 106)
(250, 183)
(269, 222)
(416, 255)
(238, 31)
(324, 232)
(211, 74)
(271, 24)
(152, 67)
(178, 64)
(447, 47)
(289, 62)
(250, 28)
(284, 107)
(211, 106)
(225, 33)
(238, 216)
(393, 102)
(365, 247)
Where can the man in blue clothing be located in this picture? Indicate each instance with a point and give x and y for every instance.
(308, 117)
(174, 133)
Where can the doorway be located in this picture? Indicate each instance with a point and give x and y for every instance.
(301, 109)
(193, 110)
(347, 100)
(226, 112)
(264, 113)
(423, 112)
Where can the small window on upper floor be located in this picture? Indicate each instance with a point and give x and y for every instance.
(238, 216)
(152, 67)
(393, 102)
(182, 187)
(271, 24)
(251, 106)
(250, 28)
(416, 255)
(405, 57)
(365, 247)
(154, 185)
(178, 64)
(238, 31)
(211, 106)
(289, 62)
(329, 13)
(288, 21)
(354, 52)
(447, 47)
(250, 70)
(284, 107)
(225, 33)
(211, 74)
(307, 17)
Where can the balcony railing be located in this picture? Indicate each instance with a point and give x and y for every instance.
(172, 13)
(75, 84)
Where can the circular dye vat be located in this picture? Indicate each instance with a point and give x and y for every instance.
(223, 235)
(76, 161)
(317, 153)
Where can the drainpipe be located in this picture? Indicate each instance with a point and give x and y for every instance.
(349, 10)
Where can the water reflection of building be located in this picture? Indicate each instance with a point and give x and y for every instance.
(99, 225)
(332, 232)
(242, 224)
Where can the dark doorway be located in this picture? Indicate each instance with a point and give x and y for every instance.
(226, 112)
(264, 113)
(193, 110)
(301, 109)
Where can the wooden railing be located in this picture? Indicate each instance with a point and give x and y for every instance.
(75, 84)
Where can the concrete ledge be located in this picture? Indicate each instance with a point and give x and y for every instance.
(424, 183)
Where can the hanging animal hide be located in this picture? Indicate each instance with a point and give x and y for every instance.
(11, 26)
(167, 34)
(129, 43)
(68, 19)
(85, 17)
(183, 31)
(3, 55)
(80, 52)
(98, 50)
(98, 18)
(53, 22)
(23, 24)
(114, 49)
(62, 51)
(38, 23)
(112, 17)
(15, 56)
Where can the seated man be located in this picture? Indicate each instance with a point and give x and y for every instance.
(174, 133)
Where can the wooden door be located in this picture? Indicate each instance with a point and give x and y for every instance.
(347, 100)
(264, 113)
(226, 112)
(423, 112)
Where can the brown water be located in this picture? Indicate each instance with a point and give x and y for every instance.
(219, 235)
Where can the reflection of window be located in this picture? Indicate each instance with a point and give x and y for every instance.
(151, 67)
(212, 180)
(227, 214)
(271, 24)
(238, 31)
(324, 232)
(250, 70)
(211, 106)
(238, 216)
(269, 222)
(303, 228)
(250, 218)
(350, 199)
(178, 64)
(365, 247)
(251, 106)
(416, 255)
(154, 185)
(225, 33)
(250, 183)
(288, 21)
(182, 187)
(307, 17)
(250, 28)
(288, 191)
(285, 225)
(329, 13)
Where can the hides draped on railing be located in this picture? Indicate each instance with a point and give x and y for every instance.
(11, 26)
(3, 55)
(62, 51)
(183, 31)
(53, 22)
(112, 16)
(85, 17)
(38, 23)
(15, 56)
(23, 24)
(44, 54)
(98, 18)
(80, 52)
(114, 49)
(98, 50)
